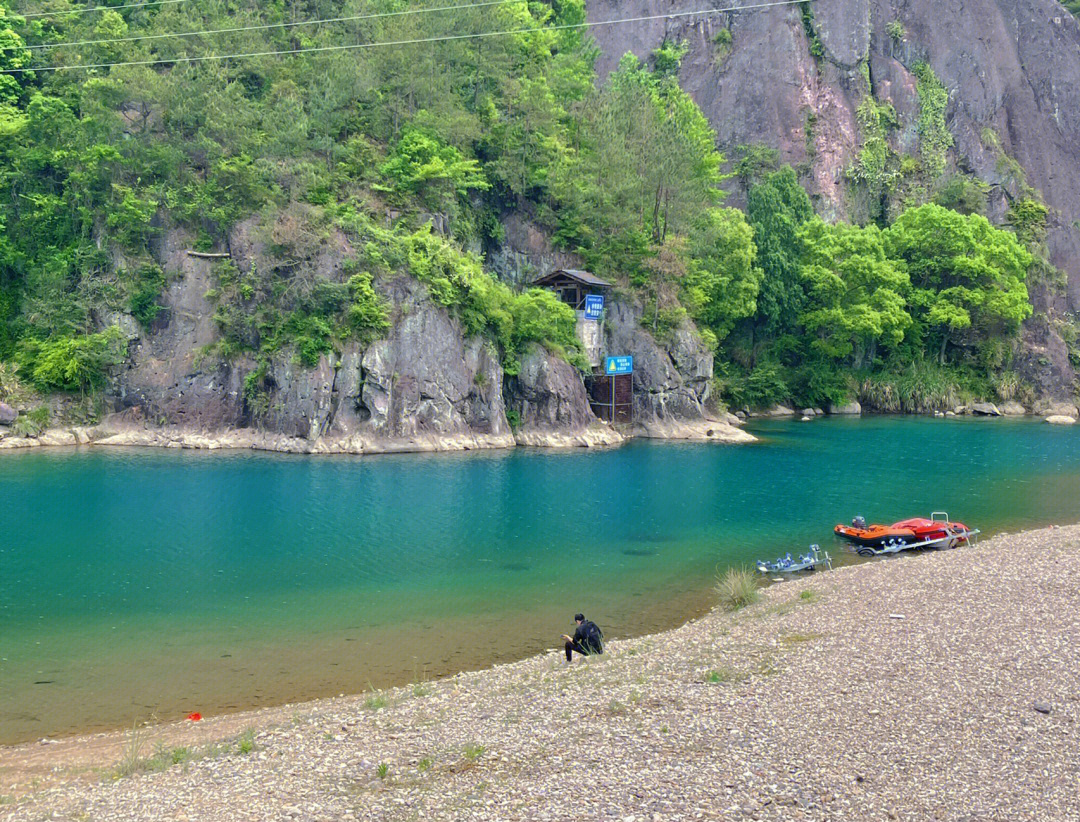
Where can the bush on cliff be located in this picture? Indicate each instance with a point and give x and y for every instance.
(72, 363)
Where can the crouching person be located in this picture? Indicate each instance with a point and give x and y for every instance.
(587, 639)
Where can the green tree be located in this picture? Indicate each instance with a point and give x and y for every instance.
(854, 293)
(965, 274)
(777, 207)
(422, 164)
(723, 281)
(73, 363)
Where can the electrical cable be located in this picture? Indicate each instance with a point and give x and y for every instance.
(419, 41)
(96, 8)
(261, 27)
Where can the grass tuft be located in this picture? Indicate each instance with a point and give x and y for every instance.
(737, 588)
(809, 595)
(246, 743)
(377, 701)
(473, 752)
(724, 675)
(616, 708)
(131, 761)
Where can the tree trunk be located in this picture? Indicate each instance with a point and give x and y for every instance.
(941, 352)
(656, 212)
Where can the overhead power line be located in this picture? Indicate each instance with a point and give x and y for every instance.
(261, 27)
(97, 8)
(418, 41)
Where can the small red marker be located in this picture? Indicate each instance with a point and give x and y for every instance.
(194, 717)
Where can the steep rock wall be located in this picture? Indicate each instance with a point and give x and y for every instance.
(549, 399)
(1012, 66)
(672, 382)
(424, 386)
(167, 377)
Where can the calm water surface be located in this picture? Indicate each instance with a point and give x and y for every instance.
(147, 583)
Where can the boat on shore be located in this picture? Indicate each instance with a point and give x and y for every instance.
(935, 531)
(807, 562)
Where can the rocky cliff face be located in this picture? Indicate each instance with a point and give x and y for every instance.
(549, 400)
(671, 382)
(423, 386)
(1011, 69)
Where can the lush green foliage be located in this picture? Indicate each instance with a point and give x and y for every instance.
(854, 292)
(723, 281)
(73, 363)
(965, 274)
(415, 154)
(777, 208)
(934, 135)
(878, 306)
(647, 167)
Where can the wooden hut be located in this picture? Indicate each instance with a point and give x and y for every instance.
(571, 285)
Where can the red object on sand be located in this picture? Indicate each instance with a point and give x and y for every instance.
(194, 717)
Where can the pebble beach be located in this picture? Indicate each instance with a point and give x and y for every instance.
(939, 685)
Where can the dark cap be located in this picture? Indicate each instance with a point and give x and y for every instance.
(579, 617)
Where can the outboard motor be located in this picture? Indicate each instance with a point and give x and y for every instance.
(859, 522)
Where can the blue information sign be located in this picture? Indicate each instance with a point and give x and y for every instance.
(619, 365)
(594, 306)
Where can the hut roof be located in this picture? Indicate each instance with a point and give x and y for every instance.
(583, 277)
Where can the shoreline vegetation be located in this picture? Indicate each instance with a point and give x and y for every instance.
(930, 686)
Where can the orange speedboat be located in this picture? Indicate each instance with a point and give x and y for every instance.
(918, 532)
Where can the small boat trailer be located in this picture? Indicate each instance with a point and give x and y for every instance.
(785, 564)
(954, 534)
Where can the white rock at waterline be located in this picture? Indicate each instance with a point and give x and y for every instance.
(853, 408)
(985, 409)
(779, 411)
(1060, 419)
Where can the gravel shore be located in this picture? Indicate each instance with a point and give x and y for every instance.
(938, 686)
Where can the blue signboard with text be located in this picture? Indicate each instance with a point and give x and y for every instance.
(594, 306)
(619, 365)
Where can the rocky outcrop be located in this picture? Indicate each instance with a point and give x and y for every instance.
(526, 252)
(672, 383)
(8, 415)
(1060, 419)
(425, 386)
(1016, 74)
(1061, 409)
(1011, 69)
(1012, 408)
(549, 398)
(852, 408)
(169, 378)
(426, 380)
(985, 409)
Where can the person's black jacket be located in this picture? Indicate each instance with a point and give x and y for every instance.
(589, 636)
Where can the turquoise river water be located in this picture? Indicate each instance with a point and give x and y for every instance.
(141, 584)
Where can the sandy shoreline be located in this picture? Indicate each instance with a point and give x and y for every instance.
(908, 689)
